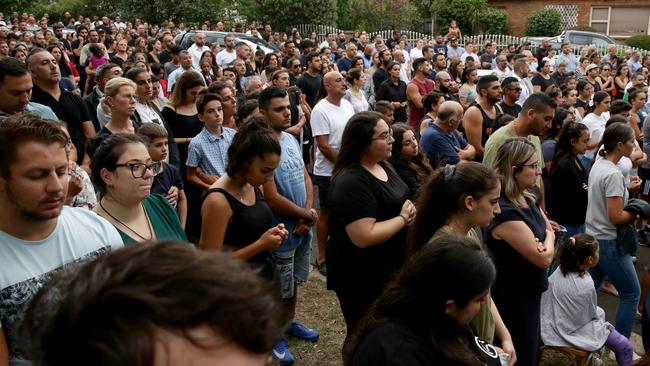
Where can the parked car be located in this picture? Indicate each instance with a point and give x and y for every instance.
(185, 40)
(577, 39)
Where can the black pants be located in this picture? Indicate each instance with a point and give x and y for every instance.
(522, 318)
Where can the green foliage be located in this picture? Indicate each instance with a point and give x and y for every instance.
(344, 10)
(467, 13)
(282, 14)
(543, 22)
(54, 9)
(374, 15)
(639, 42)
(493, 21)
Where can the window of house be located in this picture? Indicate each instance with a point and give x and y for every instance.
(620, 21)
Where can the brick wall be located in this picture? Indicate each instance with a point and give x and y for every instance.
(519, 10)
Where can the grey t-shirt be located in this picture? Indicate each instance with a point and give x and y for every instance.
(605, 180)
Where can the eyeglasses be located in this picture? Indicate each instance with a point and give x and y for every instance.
(387, 135)
(138, 170)
(296, 66)
(534, 165)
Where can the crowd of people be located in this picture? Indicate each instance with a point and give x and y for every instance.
(466, 202)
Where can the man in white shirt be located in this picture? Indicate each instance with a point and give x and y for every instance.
(521, 73)
(470, 50)
(228, 54)
(328, 120)
(39, 236)
(502, 70)
(197, 49)
(185, 65)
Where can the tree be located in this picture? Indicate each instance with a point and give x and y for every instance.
(374, 15)
(493, 21)
(283, 14)
(543, 22)
(466, 13)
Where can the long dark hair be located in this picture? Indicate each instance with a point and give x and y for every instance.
(419, 163)
(614, 133)
(556, 124)
(569, 133)
(574, 252)
(415, 302)
(357, 136)
(63, 66)
(254, 139)
(443, 196)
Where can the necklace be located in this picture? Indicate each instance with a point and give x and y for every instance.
(127, 226)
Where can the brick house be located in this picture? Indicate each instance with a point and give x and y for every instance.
(619, 18)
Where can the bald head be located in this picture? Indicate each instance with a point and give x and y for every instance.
(442, 76)
(450, 110)
(334, 84)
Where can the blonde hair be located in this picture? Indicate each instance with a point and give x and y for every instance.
(514, 152)
(111, 89)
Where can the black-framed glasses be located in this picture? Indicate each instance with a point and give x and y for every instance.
(296, 66)
(138, 170)
(386, 135)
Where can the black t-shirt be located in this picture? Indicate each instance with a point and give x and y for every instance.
(393, 345)
(567, 187)
(390, 92)
(582, 103)
(72, 110)
(165, 180)
(379, 77)
(543, 83)
(511, 110)
(355, 194)
(310, 86)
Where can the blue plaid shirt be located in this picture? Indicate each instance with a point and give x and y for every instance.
(210, 153)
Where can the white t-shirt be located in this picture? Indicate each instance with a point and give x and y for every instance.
(224, 58)
(25, 266)
(196, 53)
(329, 119)
(415, 53)
(596, 125)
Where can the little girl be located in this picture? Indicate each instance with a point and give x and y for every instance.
(570, 316)
(98, 55)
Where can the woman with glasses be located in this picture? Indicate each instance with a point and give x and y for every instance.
(522, 242)
(118, 104)
(368, 217)
(123, 173)
(605, 79)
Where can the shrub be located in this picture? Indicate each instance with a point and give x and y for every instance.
(493, 21)
(543, 22)
(639, 42)
(374, 15)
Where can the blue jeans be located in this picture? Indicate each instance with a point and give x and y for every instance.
(620, 270)
(572, 230)
(586, 163)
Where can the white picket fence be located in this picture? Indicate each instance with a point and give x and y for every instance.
(500, 40)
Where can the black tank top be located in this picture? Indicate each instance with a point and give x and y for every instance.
(488, 123)
(246, 225)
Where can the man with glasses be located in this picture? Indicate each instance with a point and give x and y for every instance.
(442, 142)
(502, 70)
(328, 120)
(228, 54)
(39, 236)
(511, 91)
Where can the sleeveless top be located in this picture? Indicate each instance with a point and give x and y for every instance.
(415, 113)
(246, 226)
(488, 123)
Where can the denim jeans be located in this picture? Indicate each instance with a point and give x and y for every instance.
(572, 230)
(620, 270)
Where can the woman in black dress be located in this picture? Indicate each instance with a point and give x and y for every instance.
(408, 160)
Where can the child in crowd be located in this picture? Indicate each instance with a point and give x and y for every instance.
(387, 110)
(570, 316)
(98, 55)
(208, 152)
(168, 181)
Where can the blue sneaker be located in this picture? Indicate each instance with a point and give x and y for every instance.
(281, 353)
(300, 331)
(321, 267)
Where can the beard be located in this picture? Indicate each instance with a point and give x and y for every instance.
(31, 213)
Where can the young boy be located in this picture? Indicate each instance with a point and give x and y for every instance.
(207, 154)
(387, 110)
(168, 181)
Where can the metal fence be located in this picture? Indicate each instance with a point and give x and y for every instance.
(500, 40)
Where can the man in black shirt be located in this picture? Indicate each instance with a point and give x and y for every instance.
(381, 74)
(310, 81)
(69, 107)
(511, 92)
(167, 43)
